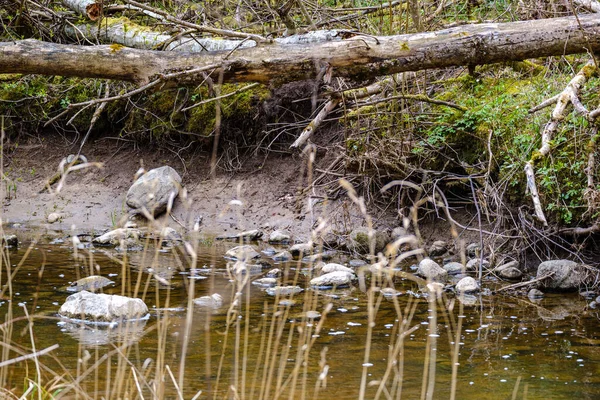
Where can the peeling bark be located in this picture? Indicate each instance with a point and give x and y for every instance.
(358, 57)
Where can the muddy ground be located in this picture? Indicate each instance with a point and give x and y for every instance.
(270, 187)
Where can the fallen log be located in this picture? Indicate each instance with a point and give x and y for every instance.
(357, 57)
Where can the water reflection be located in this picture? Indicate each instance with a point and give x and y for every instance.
(547, 348)
(94, 335)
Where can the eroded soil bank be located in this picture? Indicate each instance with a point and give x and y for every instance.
(273, 190)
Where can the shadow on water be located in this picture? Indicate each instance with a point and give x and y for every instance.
(253, 345)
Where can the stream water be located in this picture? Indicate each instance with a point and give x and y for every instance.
(508, 345)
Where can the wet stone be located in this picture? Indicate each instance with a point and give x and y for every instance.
(282, 256)
(90, 283)
(265, 282)
(453, 268)
(284, 290)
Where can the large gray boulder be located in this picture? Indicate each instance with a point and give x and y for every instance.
(431, 270)
(153, 189)
(566, 275)
(94, 307)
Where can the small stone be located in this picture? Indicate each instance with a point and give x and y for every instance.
(265, 282)
(252, 235)
(588, 294)
(274, 273)
(242, 253)
(454, 268)
(313, 315)
(510, 273)
(535, 294)
(91, 284)
(390, 292)
(332, 279)
(438, 248)
(473, 250)
(53, 217)
(431, 270)
(280, 236)
(473, 265)
(283, 290)
(301, 249)
(213, 301)
(467, 285)
(332, 267)
(282, 256)
(169, 234)
(356, 263)
(269, 251)
(399, 232)
(114, 237)
(10, 240)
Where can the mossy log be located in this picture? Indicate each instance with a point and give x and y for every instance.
(358, 56)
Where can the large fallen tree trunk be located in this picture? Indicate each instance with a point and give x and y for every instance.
(358, 57)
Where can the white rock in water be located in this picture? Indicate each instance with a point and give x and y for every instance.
(333, 279)
(332, 267)
(214, 301)
(467, 285)
(94, 307)
(242, 253)
(431, 270)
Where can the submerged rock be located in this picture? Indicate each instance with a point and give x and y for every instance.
(467, 284)
(333, 279)
(566, 275)
(91, 284)
(242, 253)
(213, 301)
(152, 190)
(326, 255)
(94, 307)
(431, 270)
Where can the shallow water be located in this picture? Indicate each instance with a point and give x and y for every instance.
(541, 350)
